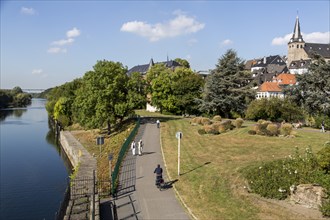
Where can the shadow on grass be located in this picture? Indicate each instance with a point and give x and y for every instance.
(206, 163)
(169, 184)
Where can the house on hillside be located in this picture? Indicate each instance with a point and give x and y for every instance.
(274, 88)
(300, 51)
(143, 69)
(299, 66)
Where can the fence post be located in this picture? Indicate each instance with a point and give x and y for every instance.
(93, 211)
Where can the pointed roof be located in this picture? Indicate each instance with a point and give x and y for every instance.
(296, 36)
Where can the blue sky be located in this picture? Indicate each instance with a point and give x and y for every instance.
(47, 43)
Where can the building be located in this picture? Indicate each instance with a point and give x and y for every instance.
(143, 69)
(300, 51)
(275, 87)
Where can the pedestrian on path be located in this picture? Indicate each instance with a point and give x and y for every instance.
(140, 147)
(322, 126)
(158, 123)
(133, 148)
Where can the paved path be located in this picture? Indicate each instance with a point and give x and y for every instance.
(138, 197)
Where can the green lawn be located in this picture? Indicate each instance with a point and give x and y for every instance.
(210, 182)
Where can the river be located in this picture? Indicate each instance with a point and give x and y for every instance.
(34, 171)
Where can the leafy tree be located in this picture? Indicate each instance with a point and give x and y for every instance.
(274, 109)
(102, 98)
(5, 99)
(183, 62)
(137, 91)
(16, 90)
(313, 88)
(227, 87)
(63, 96)
(186, 86)
(22, 99)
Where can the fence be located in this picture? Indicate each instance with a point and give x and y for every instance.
(121, 155)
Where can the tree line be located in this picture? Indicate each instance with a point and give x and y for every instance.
(106, 95)
(14, 98)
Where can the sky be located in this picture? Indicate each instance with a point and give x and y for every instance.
(48, 43)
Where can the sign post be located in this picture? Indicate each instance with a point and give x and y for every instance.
(100, 142)
(110, 167)
(178, 135)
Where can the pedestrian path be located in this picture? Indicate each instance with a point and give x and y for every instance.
(138, 197)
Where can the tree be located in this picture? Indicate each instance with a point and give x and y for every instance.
(274, 109)
(102, 98)
(183, 62)
(136, 91)
(227, 87)
(187, 86)
(313, 88)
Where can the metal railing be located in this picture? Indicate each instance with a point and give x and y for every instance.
(123, 150)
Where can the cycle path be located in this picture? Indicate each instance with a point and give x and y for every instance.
(138, 197)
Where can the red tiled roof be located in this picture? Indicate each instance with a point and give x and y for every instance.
(270, 87)
(286, 79)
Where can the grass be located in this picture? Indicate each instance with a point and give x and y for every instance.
(210, 182)
(112, 144)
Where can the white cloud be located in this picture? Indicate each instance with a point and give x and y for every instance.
(27, 11)
(56, 50)
(226, 42)
(180, 25)
(63, 42)
(73, 33)
(314, 37)
(37, 71)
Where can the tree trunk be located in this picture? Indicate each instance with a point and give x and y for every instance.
(109, 127)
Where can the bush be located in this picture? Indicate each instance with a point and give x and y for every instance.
(272, 129)
(286, 129)
(324, 158)
(252, 132)
(201, 131)
(205, 121)
(238, 122)
(261, 127)
(209, 129)
(227, 124)
(217, 118)
(222, 128)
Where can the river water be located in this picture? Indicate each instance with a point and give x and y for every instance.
(34, 171)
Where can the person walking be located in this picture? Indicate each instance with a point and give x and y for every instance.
(159, 173)
(158, 123)
(140, 147)
(322, 126)
(133, 147)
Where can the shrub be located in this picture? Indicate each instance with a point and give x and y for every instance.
(201, 131)
(324, 157)
(217, 118)
(227, 124)
(261, 127)
(286, 129)
(238, 122)
(209, 129)
(222, 128)
(216, 125)
(252, 132)
(205, 121)
(272, 129)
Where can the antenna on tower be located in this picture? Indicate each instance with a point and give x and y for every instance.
(297, 12)
(167, 56)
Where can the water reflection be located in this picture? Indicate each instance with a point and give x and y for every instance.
(17, 113)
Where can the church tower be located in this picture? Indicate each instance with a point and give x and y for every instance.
(296, 45)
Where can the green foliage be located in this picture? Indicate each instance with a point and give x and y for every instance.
(324, 157)
(274, 179)
(201, 131)
(227, 87)
(14, 98)
(102, 98)
(312, 89)
(274, 109)
(183, 62)
(137, 91)
(319, 119)
(174, 92)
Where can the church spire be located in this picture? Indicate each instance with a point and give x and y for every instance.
(296, 37)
